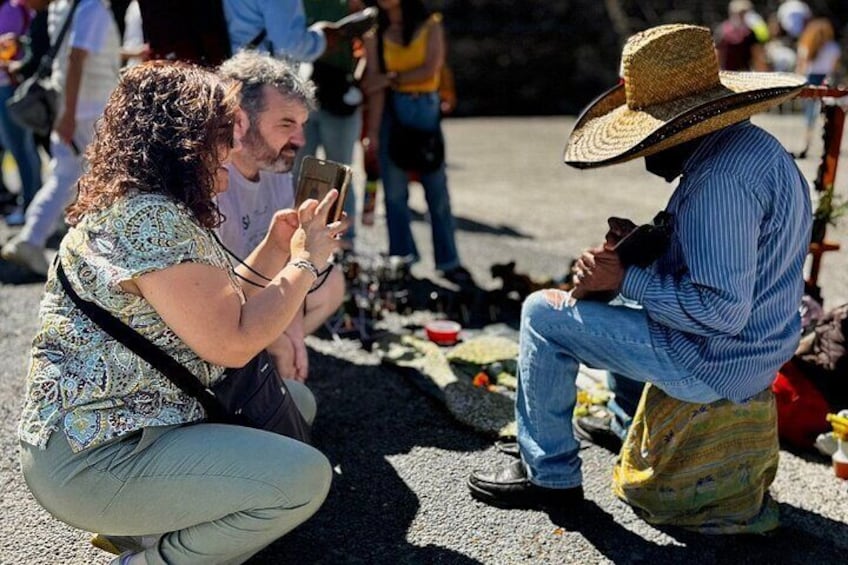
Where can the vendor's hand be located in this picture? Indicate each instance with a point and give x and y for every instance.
(65, 127)
(598, 269)
(314, 239)
(283, 225)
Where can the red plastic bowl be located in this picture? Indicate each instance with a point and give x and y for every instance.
(442, 332)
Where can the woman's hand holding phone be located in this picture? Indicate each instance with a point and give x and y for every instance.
(315, 239)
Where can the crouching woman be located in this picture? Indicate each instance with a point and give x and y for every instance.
(106, 444)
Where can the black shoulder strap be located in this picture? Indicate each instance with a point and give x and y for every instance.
(144, 348)
(45, 67)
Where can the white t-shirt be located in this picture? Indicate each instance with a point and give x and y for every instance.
(94, 30)
(249, 207)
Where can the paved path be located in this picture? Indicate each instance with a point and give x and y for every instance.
(399, 494)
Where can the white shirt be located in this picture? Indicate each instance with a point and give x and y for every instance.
(94, 30)
(249, 207)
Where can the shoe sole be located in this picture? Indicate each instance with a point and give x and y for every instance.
(114, 544)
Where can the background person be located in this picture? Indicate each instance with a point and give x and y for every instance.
(277, 102)
(335, 125)
(86, 70)
(818, 58)
(15, 19)
(104, 441)
(410, 42)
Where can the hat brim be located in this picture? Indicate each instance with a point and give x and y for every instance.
(609, 132)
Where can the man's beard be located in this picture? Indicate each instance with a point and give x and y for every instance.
(266, 157)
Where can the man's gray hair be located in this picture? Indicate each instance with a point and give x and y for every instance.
(257, 70)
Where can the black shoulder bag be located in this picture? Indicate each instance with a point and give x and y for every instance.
(35, 103)
(253, 396)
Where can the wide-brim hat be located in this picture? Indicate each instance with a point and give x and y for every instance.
(672, 91)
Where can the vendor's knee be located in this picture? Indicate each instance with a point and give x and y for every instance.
(542, 303)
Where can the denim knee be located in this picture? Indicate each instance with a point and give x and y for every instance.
(539, 305)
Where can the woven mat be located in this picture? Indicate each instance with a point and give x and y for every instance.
(448, 374)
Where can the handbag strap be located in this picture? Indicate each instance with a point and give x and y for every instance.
(147, 350)
(45, 66)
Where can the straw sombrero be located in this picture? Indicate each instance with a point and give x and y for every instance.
(672, 92)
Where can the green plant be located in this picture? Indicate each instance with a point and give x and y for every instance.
(830, 207)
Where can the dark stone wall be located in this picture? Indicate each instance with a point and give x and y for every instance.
(541, 57)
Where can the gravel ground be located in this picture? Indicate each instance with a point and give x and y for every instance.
(399, 493)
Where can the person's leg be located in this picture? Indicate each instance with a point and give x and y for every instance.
(556, 335)
(21, 144)
(48, 206)
(396, 198)
(339, 135)
(303, 399)
(218, 493)
(423, 112)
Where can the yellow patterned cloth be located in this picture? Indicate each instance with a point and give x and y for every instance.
(703, 467)
(80, 380)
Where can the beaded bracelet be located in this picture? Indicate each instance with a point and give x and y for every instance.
(306, 266)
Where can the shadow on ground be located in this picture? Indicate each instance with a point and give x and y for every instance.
(370, 508)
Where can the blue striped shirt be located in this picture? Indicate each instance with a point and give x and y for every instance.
(724, 298)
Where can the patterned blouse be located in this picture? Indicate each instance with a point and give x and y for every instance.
(80, 379)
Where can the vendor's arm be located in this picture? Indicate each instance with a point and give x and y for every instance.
(67, 124)
(202, 307)
(718, 229)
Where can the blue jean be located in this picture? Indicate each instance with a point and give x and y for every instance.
(21, 144)
(419, 111)
(622, 406)
(338, 136)
(556, 335)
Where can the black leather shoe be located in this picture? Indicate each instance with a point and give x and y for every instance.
(598, 431)
(509, 487)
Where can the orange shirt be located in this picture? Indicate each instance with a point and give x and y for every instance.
(400, 58)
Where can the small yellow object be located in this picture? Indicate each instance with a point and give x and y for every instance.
(840, 426)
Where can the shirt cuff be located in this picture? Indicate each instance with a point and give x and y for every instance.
(635, 284)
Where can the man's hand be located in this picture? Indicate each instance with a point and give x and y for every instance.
(598, 269)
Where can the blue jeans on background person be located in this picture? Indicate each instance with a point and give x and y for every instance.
(557, 335)
(21, 144)
(338, 136)
(420, 111)
(622, 406)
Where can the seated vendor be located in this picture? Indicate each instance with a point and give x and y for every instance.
(719, 308)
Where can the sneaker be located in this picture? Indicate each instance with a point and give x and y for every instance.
(25, 254)
(119, 545)
(598, 431)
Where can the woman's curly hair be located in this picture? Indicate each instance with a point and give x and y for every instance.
(161, 132)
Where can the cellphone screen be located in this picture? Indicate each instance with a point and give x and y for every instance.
(317, 178)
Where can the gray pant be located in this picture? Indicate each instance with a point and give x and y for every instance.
(219, 493)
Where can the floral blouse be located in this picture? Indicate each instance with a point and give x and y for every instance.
(80, 380)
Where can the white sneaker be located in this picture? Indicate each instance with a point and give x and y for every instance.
(25, 254)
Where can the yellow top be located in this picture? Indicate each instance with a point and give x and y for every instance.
(400, 58)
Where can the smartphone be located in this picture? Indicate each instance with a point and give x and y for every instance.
(320, 176)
